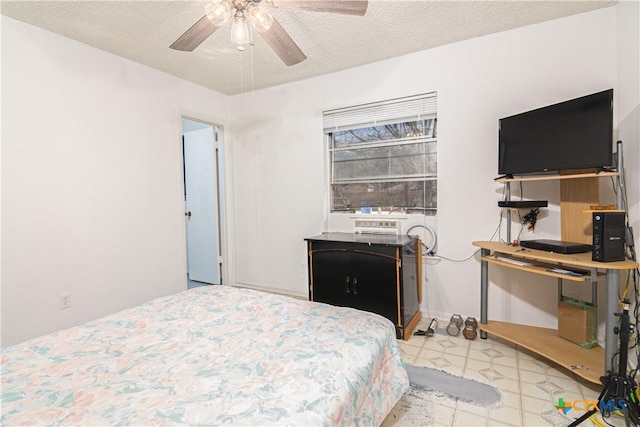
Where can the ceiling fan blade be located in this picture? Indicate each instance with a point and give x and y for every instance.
(346, 7)
(283, 44)
(194, 35)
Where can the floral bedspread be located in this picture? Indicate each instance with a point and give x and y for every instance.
(209, 356)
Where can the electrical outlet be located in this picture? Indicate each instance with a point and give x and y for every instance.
(65, 300)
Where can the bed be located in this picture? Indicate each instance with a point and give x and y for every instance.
(209, 356)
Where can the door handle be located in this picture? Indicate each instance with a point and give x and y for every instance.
(346, 284)
(188, 214)
(354, 286)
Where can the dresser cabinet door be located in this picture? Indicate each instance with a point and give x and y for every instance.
(332, 277)
(374, 282)
(356, 275)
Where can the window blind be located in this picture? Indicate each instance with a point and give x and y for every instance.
(398, 110)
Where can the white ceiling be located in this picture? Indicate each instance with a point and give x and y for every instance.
(143, 30)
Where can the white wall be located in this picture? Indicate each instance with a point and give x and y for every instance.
(628, 104)
(91, 166)
(91, 180)
(280, 157)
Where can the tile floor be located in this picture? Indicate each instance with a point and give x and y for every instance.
(530, 385)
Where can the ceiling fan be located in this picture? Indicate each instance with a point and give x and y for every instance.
(219, 12)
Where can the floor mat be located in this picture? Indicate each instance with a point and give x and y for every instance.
(415, 408)
(430, 391)
(453, 386)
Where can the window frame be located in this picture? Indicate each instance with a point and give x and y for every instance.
(420, 108)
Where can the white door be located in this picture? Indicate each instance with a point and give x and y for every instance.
(201, 202)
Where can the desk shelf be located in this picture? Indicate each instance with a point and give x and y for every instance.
(579, 193)
(555, 177)
(543, 341)
(581, 260)
(543, 270)
(586, 363)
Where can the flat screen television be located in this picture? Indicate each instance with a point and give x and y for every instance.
(575, 134)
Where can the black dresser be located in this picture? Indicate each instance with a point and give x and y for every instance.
(371, 272)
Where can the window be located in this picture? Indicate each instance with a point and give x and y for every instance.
(383, 156)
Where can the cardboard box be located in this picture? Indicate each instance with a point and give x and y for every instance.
(577, 322)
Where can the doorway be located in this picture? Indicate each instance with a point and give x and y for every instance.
(201, 163)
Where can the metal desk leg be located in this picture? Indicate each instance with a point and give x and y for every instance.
(610, 345)
(484, 288)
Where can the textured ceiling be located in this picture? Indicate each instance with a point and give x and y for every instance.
(143, 30)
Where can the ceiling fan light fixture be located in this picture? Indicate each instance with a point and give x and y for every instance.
(219, 11)
(240, 33)
(267, 26)
(259, 18)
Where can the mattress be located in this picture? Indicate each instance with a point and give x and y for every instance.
(209, 356)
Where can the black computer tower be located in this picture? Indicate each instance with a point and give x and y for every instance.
(608, 236)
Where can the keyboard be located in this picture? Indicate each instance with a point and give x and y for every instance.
(514, 261)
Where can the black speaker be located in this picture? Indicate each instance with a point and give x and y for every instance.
(608, 236)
